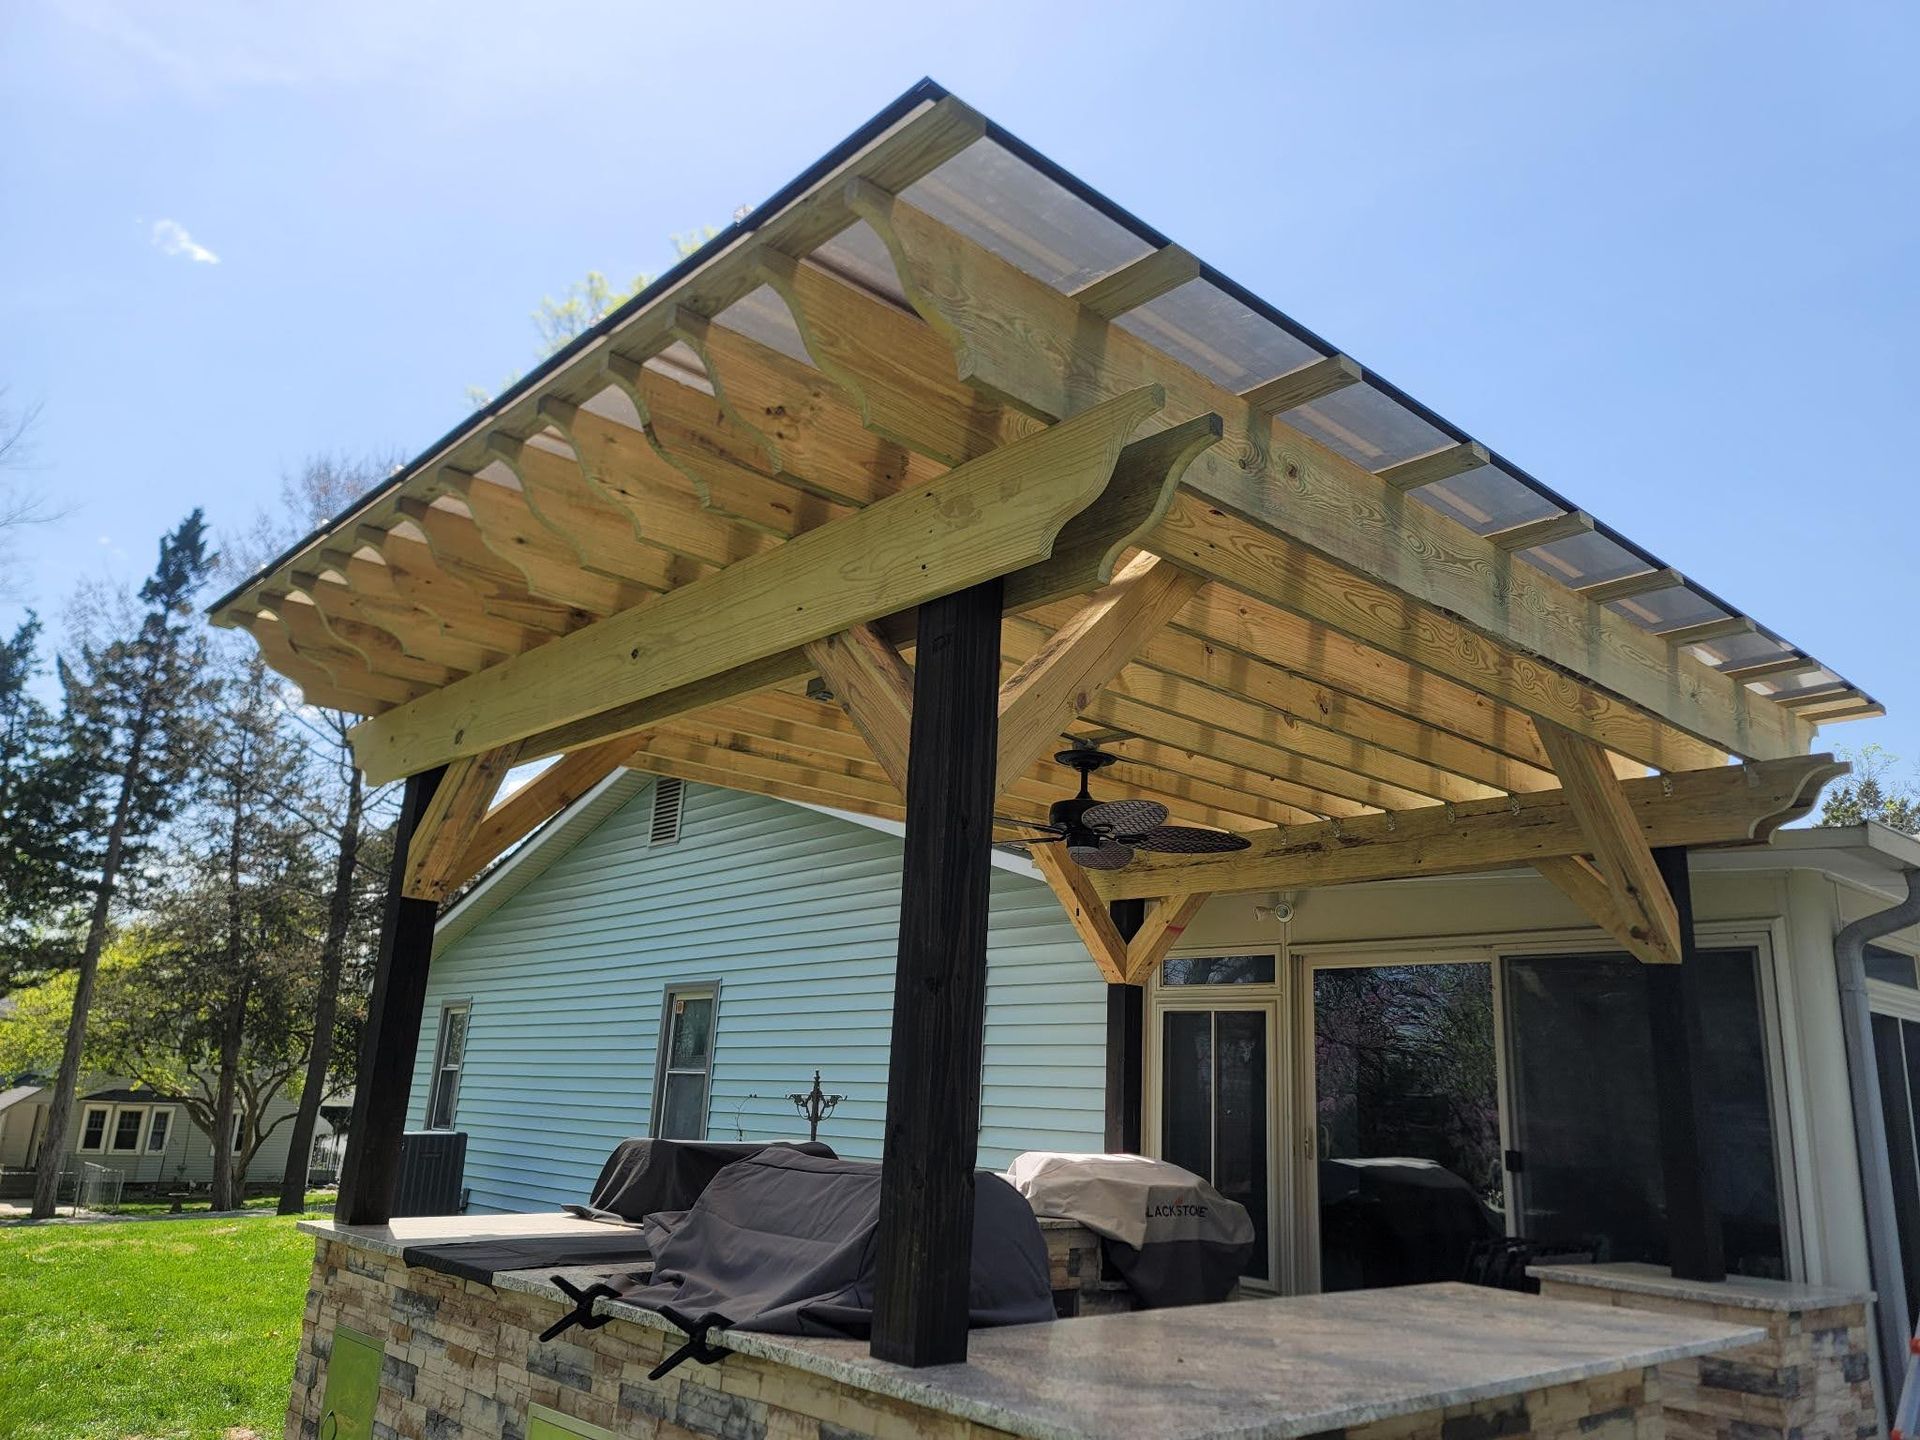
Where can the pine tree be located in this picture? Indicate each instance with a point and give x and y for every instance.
(42, 800)
(234, 937)
(134, 697)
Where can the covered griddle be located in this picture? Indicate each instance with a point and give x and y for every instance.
(640, 1178)
(1171, 1236)
(643, 1177)
(784, 1242)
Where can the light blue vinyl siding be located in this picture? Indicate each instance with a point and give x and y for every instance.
(795, 915)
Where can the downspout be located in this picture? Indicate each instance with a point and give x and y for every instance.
(1870, 1129)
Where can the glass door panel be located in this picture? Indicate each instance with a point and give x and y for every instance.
(1896, 1046)
(1407, 1121)
(1213, 1109)
(1586, 1109)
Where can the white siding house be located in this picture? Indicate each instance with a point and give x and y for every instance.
(559, 966)
(554, 982)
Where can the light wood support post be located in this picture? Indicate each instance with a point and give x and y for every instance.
(392, 1036)
(1126, 1044)
(925, 1239)
(1694, 1242)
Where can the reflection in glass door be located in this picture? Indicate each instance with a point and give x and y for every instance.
(1407, 1121)
(1214, 1076)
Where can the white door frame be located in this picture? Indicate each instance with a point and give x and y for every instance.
(1270, 1000)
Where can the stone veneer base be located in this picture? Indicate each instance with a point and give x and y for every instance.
(1810, 1379)
(463, 1360)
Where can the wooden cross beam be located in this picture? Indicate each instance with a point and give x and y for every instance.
(1166, 919)
(541, 798)
(982, 520)
(1642, 912)
(1726, 805)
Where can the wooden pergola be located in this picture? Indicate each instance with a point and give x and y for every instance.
(937, 462)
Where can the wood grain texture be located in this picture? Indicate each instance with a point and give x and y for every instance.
(541, 798)
(1085, 910)
(983, 520)
(1620, 851)
(452, 818)
(923, 1243)
(1021, 341)
(874, 687)
(1728, 805)
(1166, 920)
(1061, 678)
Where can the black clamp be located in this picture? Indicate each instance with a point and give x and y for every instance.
(582, 1312)
(697, 1346)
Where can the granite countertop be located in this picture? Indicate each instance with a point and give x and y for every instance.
(1265, 1369)
(1737, 1291)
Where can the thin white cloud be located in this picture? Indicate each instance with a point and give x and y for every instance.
(170, 237)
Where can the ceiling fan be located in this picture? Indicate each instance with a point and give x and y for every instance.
(1102, 835)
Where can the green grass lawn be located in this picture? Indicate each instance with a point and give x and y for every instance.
(161, 1330)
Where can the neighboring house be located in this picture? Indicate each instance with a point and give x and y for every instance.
(1478, 1024)
(151, 1140)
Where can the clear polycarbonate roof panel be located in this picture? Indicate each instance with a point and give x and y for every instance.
(763, 316)
(1486, 499)
(1669, 608)
(1367, 426)
(1748, 649)
(1785, 685)
(1206, 329)
(999, 201)
(858, 254)
(1584, 559)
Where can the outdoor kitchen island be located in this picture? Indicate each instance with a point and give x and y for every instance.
(446, 1358)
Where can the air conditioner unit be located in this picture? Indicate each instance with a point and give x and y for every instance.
(433, 1165)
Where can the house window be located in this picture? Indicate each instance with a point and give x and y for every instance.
(157, 1131)
(450, 1055)
(1891, 967)
(126, 1127)
(668, 796)
(93, 1128)
(686, 1068)
(236, 1135)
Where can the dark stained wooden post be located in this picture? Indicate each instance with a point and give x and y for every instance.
(1126, 1049)
(925, 1240)
(1674, 1006)
(392, 1034)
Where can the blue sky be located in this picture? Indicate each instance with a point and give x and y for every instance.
(1665, 256)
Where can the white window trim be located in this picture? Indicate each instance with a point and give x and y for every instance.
(139, 1146)
(163, 1116)
(684, 990)
(106, 1130)
(434, 1081)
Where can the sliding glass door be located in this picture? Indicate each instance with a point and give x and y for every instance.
(1406, 1121)
(1216, 1075)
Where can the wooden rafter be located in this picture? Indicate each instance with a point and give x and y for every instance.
(1727, 805)
(1145, 280)
(982, 520)
(1060, 358)
(450, 821)
(1622, 857)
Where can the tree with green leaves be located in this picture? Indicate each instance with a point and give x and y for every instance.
(134, 693)
(346, 821)
(234, 934)
(1872, 792)
(41, 813)
(585, 304)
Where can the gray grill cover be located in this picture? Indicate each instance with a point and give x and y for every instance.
(644, 1176)
(1174, 1238)
(783, 1242)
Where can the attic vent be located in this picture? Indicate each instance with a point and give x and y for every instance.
(667, 797)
